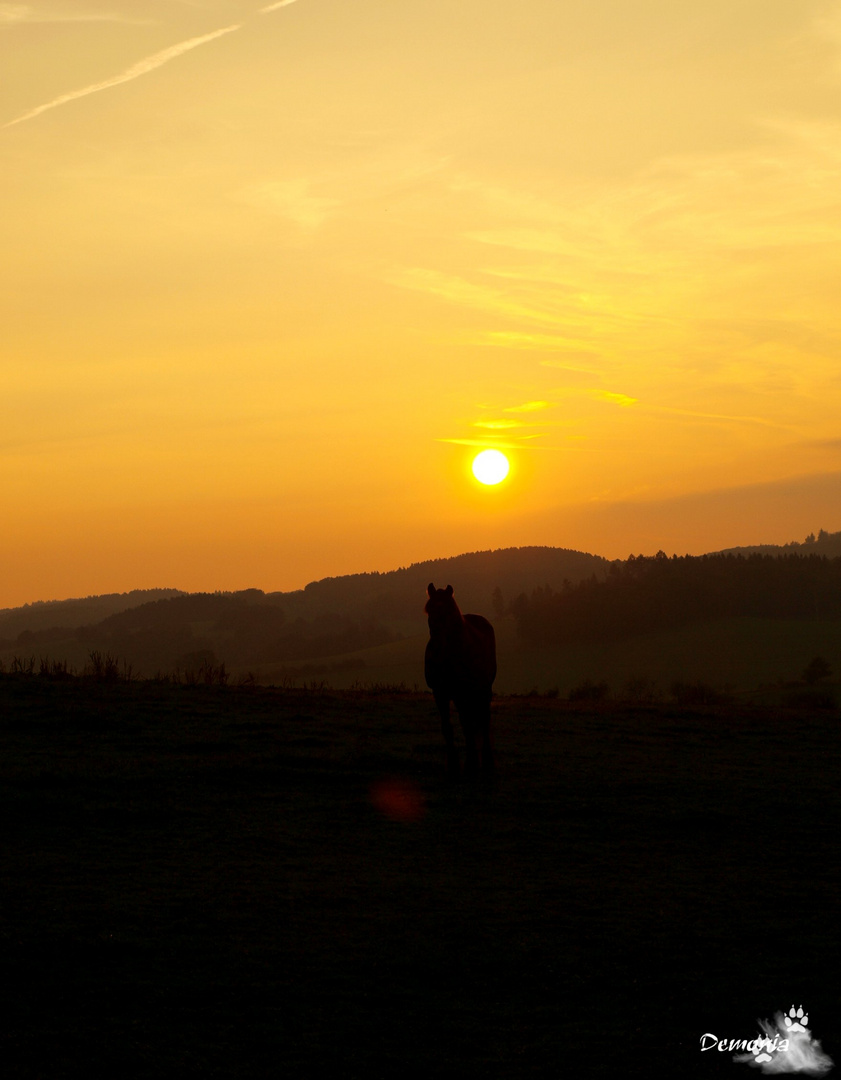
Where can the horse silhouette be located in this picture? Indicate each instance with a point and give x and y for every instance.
(460, 667)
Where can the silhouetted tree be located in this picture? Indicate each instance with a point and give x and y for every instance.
(815, 670)
(644, 595)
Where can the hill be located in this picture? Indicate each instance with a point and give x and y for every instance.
(47, 614)
(399, 595)
(825, 543)
(649, 594)
(563, 619)
(249, 629)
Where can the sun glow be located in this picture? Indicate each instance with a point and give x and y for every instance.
(290, 308)
(490, 467)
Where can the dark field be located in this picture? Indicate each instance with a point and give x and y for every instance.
(205, 881)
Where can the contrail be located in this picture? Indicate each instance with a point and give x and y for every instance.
(274, 7)
(142, 67)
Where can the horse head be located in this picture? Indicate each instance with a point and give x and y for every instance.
(441, 609)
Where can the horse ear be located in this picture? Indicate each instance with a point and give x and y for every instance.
(449, 590)
(430, 589)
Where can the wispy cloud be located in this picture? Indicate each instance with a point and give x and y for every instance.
(614, 399)
(291, 199)
(529, 406)
(20, 14)
(497, 425)
(458, 290)
(274, 7)
(694, 414)
(494, 441)
(569, 344)
(142, 67)
(510, 433)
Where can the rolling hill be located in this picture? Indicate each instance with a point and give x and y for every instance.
(563, 619)
(166, 630)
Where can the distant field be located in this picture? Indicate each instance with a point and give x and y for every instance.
(206, 881)
(739, 654)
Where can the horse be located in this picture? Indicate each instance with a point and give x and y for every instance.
(460, 666)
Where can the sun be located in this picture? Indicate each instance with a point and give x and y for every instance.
(490, 467)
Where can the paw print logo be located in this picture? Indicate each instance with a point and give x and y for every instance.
(795, 1021)
(786, 1045)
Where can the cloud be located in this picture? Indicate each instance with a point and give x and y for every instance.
(494, 441)
(458, 290)
(19, 14)
(778, 512)
(142, 67)
(614, 399)
(568, 345)
(498, 429)
(291, 199)
(822, 444)
(827, 26)
(717, 417)
(497, 425)
(573, 375)
(529, 406)
(274, 7)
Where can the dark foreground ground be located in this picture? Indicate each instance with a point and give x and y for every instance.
(204, 881)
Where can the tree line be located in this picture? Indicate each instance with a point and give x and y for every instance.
(646, 594)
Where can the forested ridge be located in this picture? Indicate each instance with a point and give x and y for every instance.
(556, 596)
(165, 629)
(647, 594)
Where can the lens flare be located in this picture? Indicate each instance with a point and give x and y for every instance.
(398, 799)
(490, 467)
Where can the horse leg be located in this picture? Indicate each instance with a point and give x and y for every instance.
(488, 763)
(467, 715)
(443, 702)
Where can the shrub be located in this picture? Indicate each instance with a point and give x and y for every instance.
(698, 694)
(381, 687)
(54, 669)
(640, 690)
(213, 674)
(103, 667)
(815, 670)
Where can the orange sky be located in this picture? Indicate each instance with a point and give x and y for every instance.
(272, 274)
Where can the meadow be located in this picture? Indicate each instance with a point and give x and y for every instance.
(248, 881)
(740, 625)
(734, 655)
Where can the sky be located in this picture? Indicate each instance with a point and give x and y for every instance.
(274, 273)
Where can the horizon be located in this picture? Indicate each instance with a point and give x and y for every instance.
(277, 272)
(361, 573)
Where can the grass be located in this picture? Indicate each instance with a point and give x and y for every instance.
(734, 654)
(206, 880)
